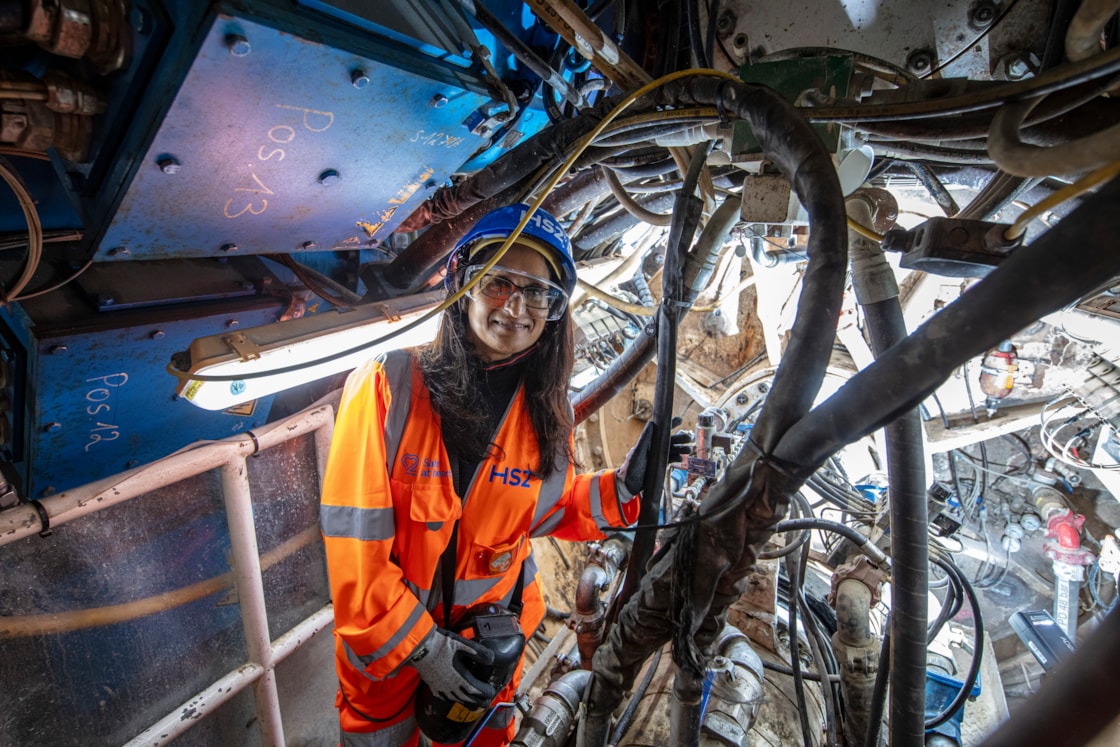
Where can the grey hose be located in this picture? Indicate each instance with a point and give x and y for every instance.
(1084, 33)
(1022, 159)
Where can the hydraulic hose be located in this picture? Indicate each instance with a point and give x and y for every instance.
(699, 266)
(877, 292)
(1083, 37)
(686, 218)
(703, 570)
(1034, 281)
(977, 646)
(1023, 159)
(500, 178)
(616, 378)
(793, 145)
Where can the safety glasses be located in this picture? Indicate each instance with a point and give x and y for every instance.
(542, 299)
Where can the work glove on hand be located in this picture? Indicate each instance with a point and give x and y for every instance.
(631, 475)
(441, 659)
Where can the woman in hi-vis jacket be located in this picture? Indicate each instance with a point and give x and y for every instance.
(445, 461)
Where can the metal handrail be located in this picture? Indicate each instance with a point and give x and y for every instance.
(229, 456)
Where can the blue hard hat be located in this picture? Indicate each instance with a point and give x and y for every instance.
(543, 233)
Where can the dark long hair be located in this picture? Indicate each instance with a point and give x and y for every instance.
(451, 372)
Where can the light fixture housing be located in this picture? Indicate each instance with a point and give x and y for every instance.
(271, 358)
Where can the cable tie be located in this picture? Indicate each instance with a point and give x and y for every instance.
(256, 444)
(44, 519)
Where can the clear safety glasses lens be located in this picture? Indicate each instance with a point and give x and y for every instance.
(542, 299)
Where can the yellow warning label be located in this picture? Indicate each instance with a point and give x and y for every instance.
(245, 409)
(192, 389)
(463, 715)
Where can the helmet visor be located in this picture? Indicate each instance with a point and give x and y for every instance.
(542, 298)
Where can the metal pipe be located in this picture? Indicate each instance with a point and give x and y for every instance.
(548, 724)
(857, 652)
(575, 27)
(590, 610)
(736, 674)
(685, 708)
(23, 520)
(250, 596)
(522, 52)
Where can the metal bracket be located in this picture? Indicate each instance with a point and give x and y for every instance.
(390, 314)
(243, 346)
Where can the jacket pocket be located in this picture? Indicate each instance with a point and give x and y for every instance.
(489, 561)
(421, 539)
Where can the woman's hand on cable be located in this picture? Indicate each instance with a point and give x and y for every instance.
(442, 662)
(631, 475)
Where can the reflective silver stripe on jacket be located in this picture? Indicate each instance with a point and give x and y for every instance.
(357, 523)
(597, 501)
(421, 594)
(361, 662)
(398, 372)
(551, 491)
(469, 592)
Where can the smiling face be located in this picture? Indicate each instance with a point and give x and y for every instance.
(499, 333)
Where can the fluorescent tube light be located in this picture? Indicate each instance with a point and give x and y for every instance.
(260, 361)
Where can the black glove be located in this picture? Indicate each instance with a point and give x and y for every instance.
(441, 659)
(631, 475)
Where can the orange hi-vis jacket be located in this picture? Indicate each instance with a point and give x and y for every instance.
(387, 512)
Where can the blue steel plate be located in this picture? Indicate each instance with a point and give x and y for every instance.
(278, 151)
(106, 404)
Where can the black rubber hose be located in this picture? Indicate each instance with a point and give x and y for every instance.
(1060, 16)
(616, 223)
(799, 509)
(1075, 702)
(501, 177)
(695, 37)
(797, 151)
(977, 649)
(617, 377)
(909, 546)
(949, 608)
(713, 28)
(999, 192)
(1034, 281)
(686, 217)
(623, 724)
(935, 188)
(951, 156)
(793, 564)
(983, 97)
(849, 533)
(587, 186)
